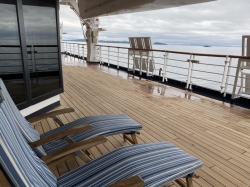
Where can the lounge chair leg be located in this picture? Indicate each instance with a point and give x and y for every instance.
(83, 156)
(124, 137)
(87, 153)
(134, 138)
(189, 182)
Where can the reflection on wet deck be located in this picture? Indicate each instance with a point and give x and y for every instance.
(216, 133)
(147, 86)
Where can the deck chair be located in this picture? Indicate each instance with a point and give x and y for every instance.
(153, 164)
(142, 55)
(76, 131)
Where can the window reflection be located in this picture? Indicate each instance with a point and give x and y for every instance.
(42, 47)
(11, 67)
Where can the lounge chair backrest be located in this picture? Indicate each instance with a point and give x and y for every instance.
(140, 43)
(147, 43)
(17, 159)
(26, 128)
(132, 43)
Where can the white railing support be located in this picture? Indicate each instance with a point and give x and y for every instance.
(78, 51)
(118, 58)
(108, 56)
(191, 73)
(223, 82)
(147, 66)
(83, 52)
(189, 70)
(133, 56)
(228, 74)
(236, 79)
(141, 65)
(165, 67)
(128, 59)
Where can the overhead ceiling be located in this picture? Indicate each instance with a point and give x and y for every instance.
(94, 8)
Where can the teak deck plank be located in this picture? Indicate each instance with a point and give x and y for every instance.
(209, 130)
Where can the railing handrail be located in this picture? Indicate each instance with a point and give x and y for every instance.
(73, 43)
(179, 52)
(168, 51)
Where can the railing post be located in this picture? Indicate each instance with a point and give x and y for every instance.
(108, 56)
(118, 58)
(147, 64)
(128, 59)
(189, 71)
(165, 66)
(78, 51)
(133, 64)
(224, 74)
(236, 80)
(83, 55)
(228, 74)
(141, 64)
(100, 49)
(191, 74)
(69, 48)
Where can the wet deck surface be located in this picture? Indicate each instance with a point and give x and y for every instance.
(216, 133)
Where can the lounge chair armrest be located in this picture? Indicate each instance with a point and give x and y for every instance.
(135, 181)
(51, 114)
(83, 145)
(61, 134)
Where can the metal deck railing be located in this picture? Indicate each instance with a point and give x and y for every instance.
(213, 71)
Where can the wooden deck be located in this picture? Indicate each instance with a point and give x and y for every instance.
(214, 132)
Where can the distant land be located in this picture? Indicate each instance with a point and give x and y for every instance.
(155, 43)
(100, 41)
(159, 43)
(110, 41)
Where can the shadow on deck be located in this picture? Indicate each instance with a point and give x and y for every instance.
(216, 133)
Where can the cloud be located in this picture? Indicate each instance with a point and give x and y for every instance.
(221, 22)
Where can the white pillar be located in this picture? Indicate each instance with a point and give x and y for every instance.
(92, 25)
(92, 39)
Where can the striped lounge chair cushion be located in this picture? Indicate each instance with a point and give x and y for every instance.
(28, 131)
(155, 163)
(102, 125)
(17, 159)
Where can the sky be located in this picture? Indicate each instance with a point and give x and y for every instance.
(222, 23)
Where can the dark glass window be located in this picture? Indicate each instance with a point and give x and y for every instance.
(11, 65)
(42, 45)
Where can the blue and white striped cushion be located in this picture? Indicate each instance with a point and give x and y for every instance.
(101, 125)
(156, 163)
(28, 131)
(18, 160)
